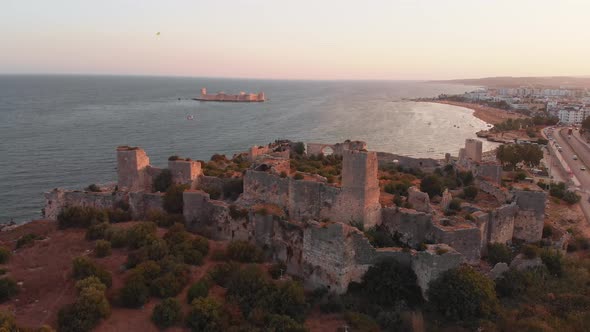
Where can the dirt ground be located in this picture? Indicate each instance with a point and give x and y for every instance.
(44, 271)
(564, 217)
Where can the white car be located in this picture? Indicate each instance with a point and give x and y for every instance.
(582, 168)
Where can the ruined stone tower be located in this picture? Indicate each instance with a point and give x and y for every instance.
(185, 171)
(360, 188)
(132, 164)
(473, 149)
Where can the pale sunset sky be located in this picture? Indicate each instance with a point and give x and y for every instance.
(302, 39)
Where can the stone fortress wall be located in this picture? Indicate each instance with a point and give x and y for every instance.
(314, 236)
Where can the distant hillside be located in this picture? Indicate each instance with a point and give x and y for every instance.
(510, 82)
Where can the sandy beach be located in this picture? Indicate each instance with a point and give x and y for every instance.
(488, 114)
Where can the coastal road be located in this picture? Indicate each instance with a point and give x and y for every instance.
(573, 146)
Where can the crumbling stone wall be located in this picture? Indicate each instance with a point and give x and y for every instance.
(432, 262)
(207, 217)
(57, 199)
(529, 220)
(489, 171)
(266, 187)
(501, 224)
(407, 162)
(501, 194)
(257, 151)
(141, 203)
(412, 227)
(464, 239)
(419, 200)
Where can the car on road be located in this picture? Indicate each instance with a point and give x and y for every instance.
(582, 168)
(575, 157)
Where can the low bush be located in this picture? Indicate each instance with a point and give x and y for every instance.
(118, 215)
(102, 248)
(4, 255)
(78, 216)
(205, 314)
(173, 202)
(27, 240)
(361, 322)
(244, 252)
(90, 307)
(167, 313)
(221, 274)
(162, 181)
(298, 176)
(530, 251)
(388, 282)
(499, 252)
(163, 219)
(141, 234)
(97, 231)
(8, 288)
(135, 292)
(470, 192)
(476, 298)
(84, 267)
(90, 282)
(571, 197)
(455, 205)
(93, 188)
(117, 237)
(553, 260)
(198, 289)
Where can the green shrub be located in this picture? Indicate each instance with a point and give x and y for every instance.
(7, 322)
(221, 274)
(547, 231)
(514, 282)
(499, 252)
(298, 176)
(141, 235)
(90, 282)
(27, 240)
(78, 216)
(553, 260)
(167, 313)
(244, 252)
(135, 292)
(163, 181)
(470, 192)
(530, 251)
(205, 314)
(8, 288)
(463, 293)
(198, 289)
(102, 248)
(283, 323)
(388, 282)
(97, 231)
(431, 185)
(118, 215)
(163, 219)
(455, 205)
(299, 148)
(157, 250)
(93, 188)
(167, 285)
(277, 270)
(4, 255)
(85, 313)
(571, 197)
(84, 268)
(361, 322)
(117, 237)
(173, 202)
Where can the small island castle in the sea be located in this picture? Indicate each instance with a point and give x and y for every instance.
(222, 96)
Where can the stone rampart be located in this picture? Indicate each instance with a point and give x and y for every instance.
(412, 227)
(465, 240)
(407, 162)
(488, 171)
(337, 149)
(141, 203)
(501, 224)
(57, 199)
(207, 217)
(432, 262)
(529, 220)
(266, 187)
(501, 194)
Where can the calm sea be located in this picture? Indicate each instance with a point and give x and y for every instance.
(61, 131)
